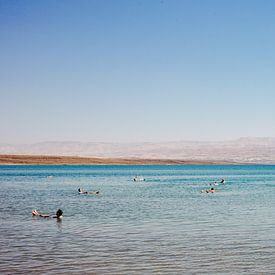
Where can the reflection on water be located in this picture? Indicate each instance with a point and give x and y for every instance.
(163, 225)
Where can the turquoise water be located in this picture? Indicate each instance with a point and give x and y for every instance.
(161, 226)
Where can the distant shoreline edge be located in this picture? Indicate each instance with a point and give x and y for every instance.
(7, 159)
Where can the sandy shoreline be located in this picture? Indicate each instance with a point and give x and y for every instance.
(63, 160)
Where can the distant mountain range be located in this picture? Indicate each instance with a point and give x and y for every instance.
(245, 150)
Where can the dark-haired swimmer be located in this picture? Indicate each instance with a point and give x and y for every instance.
(217, 183)
(136, 178)
(58, 214)
(81, 191)
(212, 190)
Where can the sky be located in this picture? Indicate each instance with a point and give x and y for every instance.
(133, 70)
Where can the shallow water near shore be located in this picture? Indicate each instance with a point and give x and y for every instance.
(164, 225)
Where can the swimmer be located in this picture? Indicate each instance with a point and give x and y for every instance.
(215, 183)
(212, 190)
(81, 191)
(138, 179)
(58, 214)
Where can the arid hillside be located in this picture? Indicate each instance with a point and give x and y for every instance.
(243, 150)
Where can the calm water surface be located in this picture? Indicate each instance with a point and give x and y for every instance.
(161, 226)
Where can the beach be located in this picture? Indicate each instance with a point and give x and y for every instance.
(63, 160)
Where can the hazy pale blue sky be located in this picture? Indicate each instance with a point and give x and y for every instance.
(136, 70)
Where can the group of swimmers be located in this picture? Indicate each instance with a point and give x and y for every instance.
(212, 190)
(59, 213)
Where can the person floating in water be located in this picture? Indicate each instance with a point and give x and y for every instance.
(81, 191)
(58, 214)
(138, 179)
(211, 190)
(217, 183)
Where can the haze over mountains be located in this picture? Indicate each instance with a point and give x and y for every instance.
(246, 150)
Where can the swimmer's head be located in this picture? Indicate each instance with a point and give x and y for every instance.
(59, 213)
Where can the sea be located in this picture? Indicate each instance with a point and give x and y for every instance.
(163, 225)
